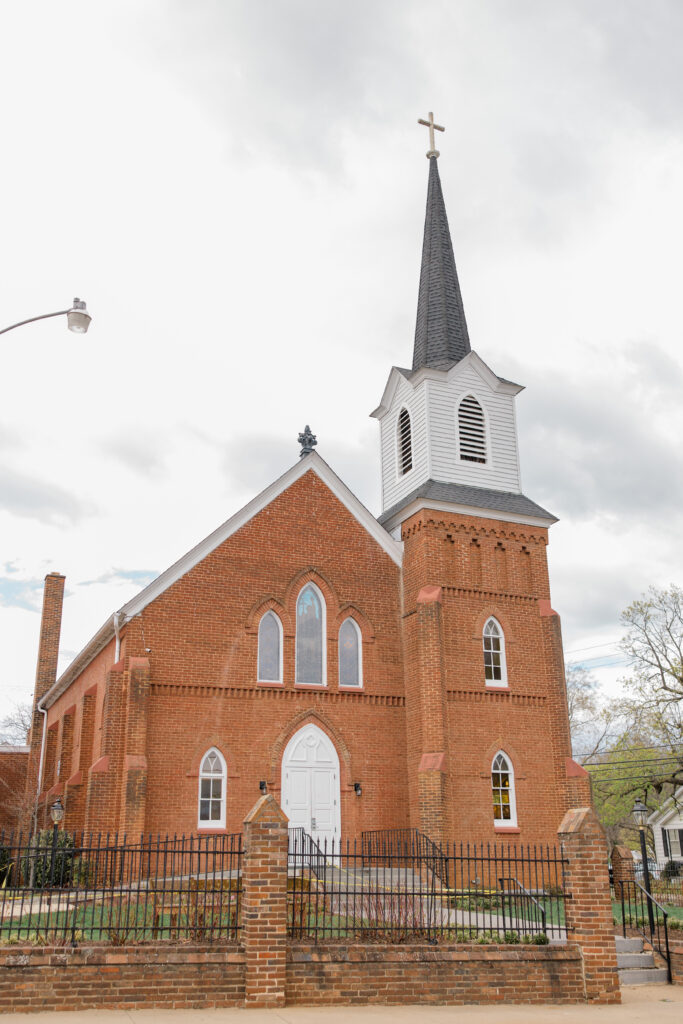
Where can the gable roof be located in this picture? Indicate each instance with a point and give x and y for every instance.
(671, 808)
(310, 463)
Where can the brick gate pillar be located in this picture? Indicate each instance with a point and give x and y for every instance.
(588, 910)
(264, 903)
(623, 867)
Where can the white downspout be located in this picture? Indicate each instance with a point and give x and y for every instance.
(41, 764)
(117, 627)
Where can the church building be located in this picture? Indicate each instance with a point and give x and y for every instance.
(371, 673)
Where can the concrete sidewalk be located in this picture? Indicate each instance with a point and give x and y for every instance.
(646, 1004)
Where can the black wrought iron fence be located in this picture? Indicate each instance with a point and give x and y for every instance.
(400, 889)
(643, 913)
(118, 890)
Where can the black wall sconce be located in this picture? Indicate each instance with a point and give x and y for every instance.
(262, 786)
(357, 788)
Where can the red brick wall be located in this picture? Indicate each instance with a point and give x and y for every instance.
(528, 718)
(324, 975)
(173, 977)
(676, 949)
(200, 637)
(13, 768)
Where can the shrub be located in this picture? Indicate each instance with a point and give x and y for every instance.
(670, 870)
(66, 869)
(540, 939)
(511, 938)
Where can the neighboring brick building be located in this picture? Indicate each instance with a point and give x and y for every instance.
(13, 765)
(405, 671)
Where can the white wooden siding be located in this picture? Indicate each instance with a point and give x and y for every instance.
(433, 407)
(394, 486)
(501, 470)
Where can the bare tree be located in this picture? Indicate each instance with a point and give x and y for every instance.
(15, 726)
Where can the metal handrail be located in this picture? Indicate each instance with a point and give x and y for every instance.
(526, 893)
(666, 954)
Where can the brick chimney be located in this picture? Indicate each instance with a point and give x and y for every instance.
(46, 674)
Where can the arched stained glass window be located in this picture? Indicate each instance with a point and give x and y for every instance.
(270, 649)
(405, 443)
(495, 669)
(503, 788)
(350, 656)
(310, 637)
(212, 778)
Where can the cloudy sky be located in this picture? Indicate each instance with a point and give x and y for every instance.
(237, 188)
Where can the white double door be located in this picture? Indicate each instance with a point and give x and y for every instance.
(310, 784)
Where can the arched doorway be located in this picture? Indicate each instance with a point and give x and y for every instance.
(310, 784)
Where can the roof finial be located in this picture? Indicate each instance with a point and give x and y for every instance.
(433, 151)
(307, 440)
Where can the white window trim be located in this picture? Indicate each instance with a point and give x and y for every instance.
(512, 821)
(212, 825)
(491, 684)
(359, 684)
(279, 680)
(397, 447)
(483, 467)
(296, 636)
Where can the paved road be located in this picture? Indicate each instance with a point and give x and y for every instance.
(646, 1004)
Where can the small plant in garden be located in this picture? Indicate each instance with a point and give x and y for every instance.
(511, 937)
(540, 939)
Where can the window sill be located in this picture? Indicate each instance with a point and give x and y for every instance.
(214, 830)
(506, 828)
(497, 686)
(310, 686)
(269, 682)
(350, 688)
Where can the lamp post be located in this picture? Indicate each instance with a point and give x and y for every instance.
(640, 813)
(56, 813)
(77, 318)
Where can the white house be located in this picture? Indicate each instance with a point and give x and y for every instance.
(667, 826)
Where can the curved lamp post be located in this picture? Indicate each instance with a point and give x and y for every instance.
(77, 318)
(640, 814)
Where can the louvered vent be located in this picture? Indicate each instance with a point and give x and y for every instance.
(405, 444)
(471, 431)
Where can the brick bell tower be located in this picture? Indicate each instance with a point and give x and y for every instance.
(486, 712)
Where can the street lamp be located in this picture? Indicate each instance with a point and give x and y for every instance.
(640, 814)
(77, 318)
(56, 813)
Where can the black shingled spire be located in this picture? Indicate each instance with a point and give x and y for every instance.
(441, 337)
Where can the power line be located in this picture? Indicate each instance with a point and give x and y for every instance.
(620, 750)
(595, 647)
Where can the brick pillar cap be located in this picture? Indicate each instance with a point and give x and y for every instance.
(266, 808)
(623, 852)
(573, 769)
(55, 576)
(577, 819)
(429, 595)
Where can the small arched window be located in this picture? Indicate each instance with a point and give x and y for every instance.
(310, 637)
(471, 430)
(503, 789)
(495, 669)
(350, 654)
(212, 779)
(270, 649)
(405, 443)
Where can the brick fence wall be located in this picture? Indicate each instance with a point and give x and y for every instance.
(106, 977)
(676, 949)
(270, 971)
(453, 974)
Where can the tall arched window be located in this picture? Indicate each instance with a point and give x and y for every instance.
(270, 649)
(471, 430)
(405, 443)
(310, 637)
(350, 654)
(212, 779)
(495, 669)
(503, 789)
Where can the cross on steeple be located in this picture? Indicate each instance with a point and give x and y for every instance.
(433, 151)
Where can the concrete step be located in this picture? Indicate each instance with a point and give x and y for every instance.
(628, 945)
(643, 976)
(627, 960)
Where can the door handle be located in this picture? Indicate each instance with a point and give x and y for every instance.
(313, 825)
